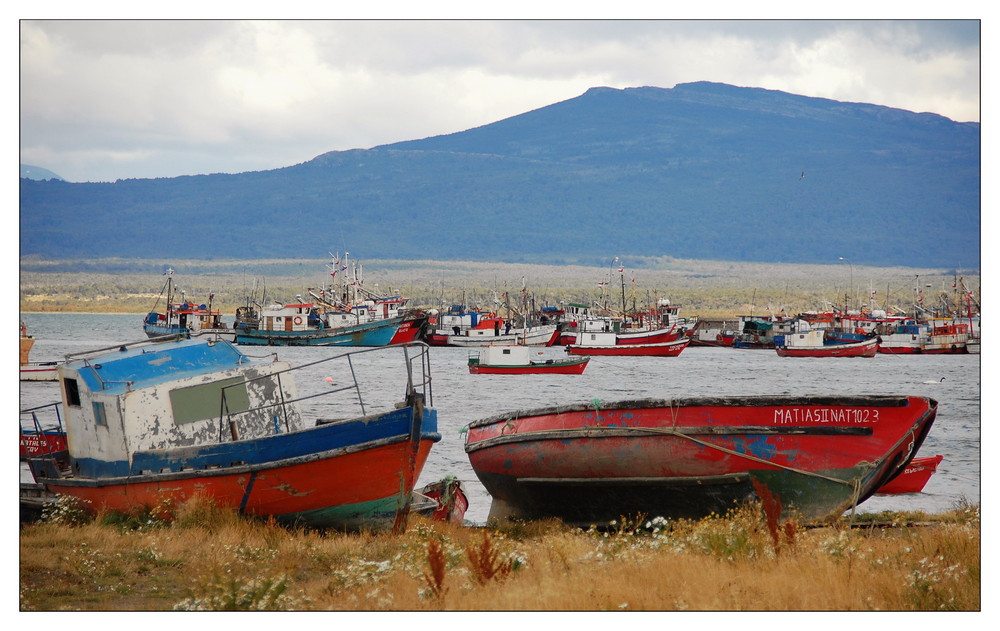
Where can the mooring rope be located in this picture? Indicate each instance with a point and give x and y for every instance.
(673, 432)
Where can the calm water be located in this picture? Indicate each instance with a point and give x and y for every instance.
(460, 397)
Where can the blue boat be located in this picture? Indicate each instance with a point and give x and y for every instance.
(156, 422)
(309, 324)
(181, 317)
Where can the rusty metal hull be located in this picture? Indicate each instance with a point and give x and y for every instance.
(590, 464)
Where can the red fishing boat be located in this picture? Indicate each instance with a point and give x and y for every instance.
(591, 345)
(516, 360)
(913, 478)
(592, 463)
(813, 344)
(926, 338)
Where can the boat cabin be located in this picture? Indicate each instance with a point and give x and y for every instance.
(504, 356)
(123, 408)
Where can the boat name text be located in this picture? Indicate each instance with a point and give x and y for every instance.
(791, 416)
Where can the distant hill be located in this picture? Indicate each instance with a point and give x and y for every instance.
(37, 173)
(701, 171)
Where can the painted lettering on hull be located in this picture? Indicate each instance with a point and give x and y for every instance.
(819, 416)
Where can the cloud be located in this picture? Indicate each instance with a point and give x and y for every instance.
(109, 99)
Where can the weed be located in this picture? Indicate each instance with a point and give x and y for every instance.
(436, 561)
(485, 562)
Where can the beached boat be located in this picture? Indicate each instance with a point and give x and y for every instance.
(309, 324)
(596, 462)
(913, 478)
(29, 370)
(38, 440)
(450, 501)
(516, 360)
(606, 344)
(154, 422)
(181, 316)
(814, 344)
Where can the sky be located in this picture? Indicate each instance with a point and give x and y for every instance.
(109, 99)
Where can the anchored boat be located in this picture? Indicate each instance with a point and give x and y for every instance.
(516, 360)
(597, 462)
(606, 344)
(150, 422)
(181, 316)
(813, 343)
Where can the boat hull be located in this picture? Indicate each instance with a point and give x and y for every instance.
(551, 367)
(34, 443)
(913, 478)
(658, 336)
(471, 338)
(868, 348)
(42, 371)
(596, 463)
(665, 349)
(376, 334)
(349, 474)
(410, 330)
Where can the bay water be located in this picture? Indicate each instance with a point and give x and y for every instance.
(460, 397)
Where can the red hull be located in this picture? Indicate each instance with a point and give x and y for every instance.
(452, 503)
(329, 483)
(408, 331)
(34, 444)
(648, 337)
(863, 349)
(688, 458)
(913, 478)
(665, 349)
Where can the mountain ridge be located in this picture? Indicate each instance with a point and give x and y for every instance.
(702, 170)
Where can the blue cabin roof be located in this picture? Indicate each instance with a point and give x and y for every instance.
(130, 368)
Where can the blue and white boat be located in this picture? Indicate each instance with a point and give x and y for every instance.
(183, 316)
(309, 324)
(157, 423)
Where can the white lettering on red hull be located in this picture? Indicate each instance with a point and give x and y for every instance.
(819, 416)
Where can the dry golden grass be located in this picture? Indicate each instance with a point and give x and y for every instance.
(209, 559)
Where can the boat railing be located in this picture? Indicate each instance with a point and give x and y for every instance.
(416, 357)
(45, 425)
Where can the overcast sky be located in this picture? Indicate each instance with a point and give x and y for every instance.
(102, 100)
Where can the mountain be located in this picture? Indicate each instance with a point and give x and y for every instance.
(701, 170)
(37, 173)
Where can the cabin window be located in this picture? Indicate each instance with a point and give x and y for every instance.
(205, 401)
(72, 392)
(99, 416)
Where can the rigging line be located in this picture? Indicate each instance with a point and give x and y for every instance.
(672, 432)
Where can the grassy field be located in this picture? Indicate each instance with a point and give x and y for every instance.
(197, 557)
(703, 288)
